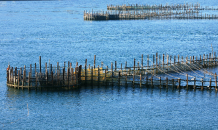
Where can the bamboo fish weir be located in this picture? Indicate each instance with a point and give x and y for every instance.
(126, 12)
(153, 71)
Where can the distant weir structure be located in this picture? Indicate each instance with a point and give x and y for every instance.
(159, 71)
(127, 12)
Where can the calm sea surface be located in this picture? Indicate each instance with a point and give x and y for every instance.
(56, 31)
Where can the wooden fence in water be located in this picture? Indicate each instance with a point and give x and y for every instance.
(160, 70)
(124, 12)
(186, 6)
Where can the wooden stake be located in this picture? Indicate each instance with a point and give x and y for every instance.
(210, 84)
(94, 60)
(111, 69)
(18, 79)
(202, 87)
(40, 64)
(115, 66)
(178, 58)
(194, 82)
(29, 80)
(142, 62)
(173, 83)
(68, 77)
(156, 59)
(179, 81)
(160, 81)
(36, 75)
(166, 82)
(215, 81)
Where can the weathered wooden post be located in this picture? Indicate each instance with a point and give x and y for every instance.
(138, 65)
(92, 75)
(8, 73)
(190, 59)
(159, 60)
(36, 76)
(46, 73)
(194, 82)
(94, 60)
(125, 65)
(15, 77)
(40, 64)
(142, 62)
(63, 76)
(35, 67)
(156, 59)
(79, 74)
(193, 59)
(68, 78)
(178, 58)
(24, 76)
(18, 79)
(115, 66)
(29, 81)
(207, 60)
(45, 66)
(58, 73)
(166, 82)
(202, 87)
(210, 84)
(160, 81)
(112, 70)
(119, 79)
(102, 64)
(170, 60)
(200, 58)
(11, 75)
(31, 68)
(72, 76)
(179, 81)
(182, 60)
(172, 83)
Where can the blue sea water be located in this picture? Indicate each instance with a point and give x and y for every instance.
(56, 31)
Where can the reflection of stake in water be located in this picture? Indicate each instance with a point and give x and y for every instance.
(27, 110)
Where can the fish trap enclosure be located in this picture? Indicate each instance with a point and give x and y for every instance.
(159, 70)
(176, 11)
